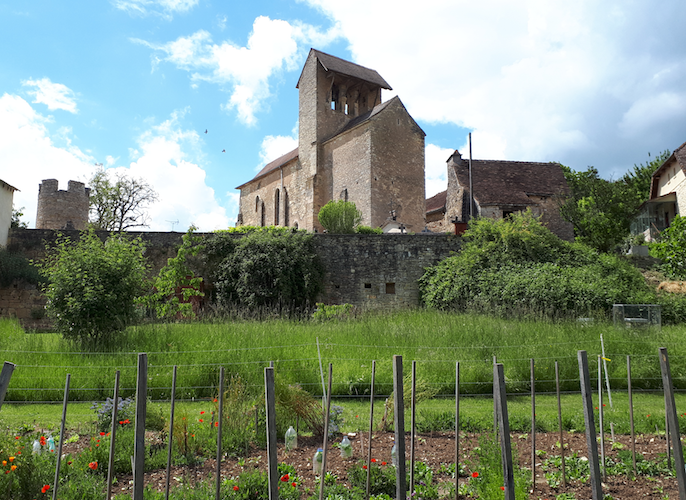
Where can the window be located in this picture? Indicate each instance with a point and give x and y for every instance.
(286, 211)
(390, 288)
(277, 206)
(367, 285)
(257, 203)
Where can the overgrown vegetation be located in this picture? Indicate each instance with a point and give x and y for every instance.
(93, 286)
(340, 217)
(14, 266)
(516, 266)
(671, 249)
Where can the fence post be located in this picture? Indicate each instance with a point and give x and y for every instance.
(399, 416)
(504, 426)
(59, 446)
(371, 430)
(457, 430)
(326, 435)
(533, 426)
(272, 463)
(5, 377)
(219, 430)
(139, 439)
(413, 402)
(631, 413)
(600, 419)
(559, 422)
(591, 442)
(673, 422)
(171, 433)
(113, 432)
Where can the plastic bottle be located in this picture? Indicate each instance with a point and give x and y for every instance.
(346, 448)
(394, 455)
(36, 447)
(291, 439)
(51, 444)
(317, 461)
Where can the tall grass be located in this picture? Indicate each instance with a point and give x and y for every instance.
(435, 340)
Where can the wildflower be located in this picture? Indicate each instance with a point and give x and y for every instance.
(216, 424)
(235, 487)
(98, 441)
(42, 440)
(294, 484)
(7, 472)
(69, 463)
(475, 474)
(102, 433)
(4, 462)
(45, 488)
(215, 400)
(647, 415)
(16, 437)
(121, 422)
(93, 465)
(364, 467)
(503, 487)
(383, 463)
(202, 413)
(14, 467)
(11, 459)
(285, 478)
(200, 420)
(373, 460)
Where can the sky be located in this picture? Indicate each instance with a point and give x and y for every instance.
(194, 97)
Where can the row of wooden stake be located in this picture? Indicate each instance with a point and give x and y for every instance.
(501, 426)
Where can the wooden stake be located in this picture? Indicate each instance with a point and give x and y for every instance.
(139, 439)
(113, 433)
(457, 430)
(371, 430)
(600, 419)
(5, 376)
(326, 434)
(631, 413)
(504, 426)
(272, 463)
(399, 415)
(413, 403)
(591, 442)
(673, 422)
(171, 433)
(219, 432)
(559, 423)
(59, 446)
(533, 426)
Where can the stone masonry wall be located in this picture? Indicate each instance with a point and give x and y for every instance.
(59, 209)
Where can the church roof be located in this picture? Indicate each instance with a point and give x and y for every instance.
(338, 65)
(273, 165)
(497, 182)
(436, 203)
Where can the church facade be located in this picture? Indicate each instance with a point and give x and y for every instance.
(351, 146)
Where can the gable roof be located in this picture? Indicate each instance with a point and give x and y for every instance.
(498, 182)
(679, 156)
(436, 203)
(338, 65)
(9, 187)
(273, 165)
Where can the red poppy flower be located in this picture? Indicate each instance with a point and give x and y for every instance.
(215, 400)
(502, 488)
(383, 463)
(235, 487)
(294, 484)
(373, 460)
(285, 478)
(200, 420)
(93, 465)
(216, 424)
(364, 467)
(45, 488)
(102, 433)
(647, 415)
(16, 437)
(42, 440)
(202, 413)
(475, 474)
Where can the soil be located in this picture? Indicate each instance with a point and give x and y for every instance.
(436, 449)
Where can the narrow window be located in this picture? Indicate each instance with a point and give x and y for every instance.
(286, 210)
(257, 203)
(367, 285)
(277, 206)
(390, 288)
(262, 214)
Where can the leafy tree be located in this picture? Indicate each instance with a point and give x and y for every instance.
(265, 269)
(177, 281)
(601, 210)
(16, 221)
(93, 285)
(671, 249)
(119, 204)
(340, 217)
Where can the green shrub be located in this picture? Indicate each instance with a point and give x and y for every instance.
(368, 230)
(671, 248)
(93, 285)
(517, 266)
(340, 217)
(14, 266)
(335, 311)
(266, 270)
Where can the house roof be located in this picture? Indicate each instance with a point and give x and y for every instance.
(497, 182)
(436, 203)
(338, 65)
(273, 165)
(3, 184)
(678, 156)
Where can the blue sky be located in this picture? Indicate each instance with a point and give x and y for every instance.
(134, 84)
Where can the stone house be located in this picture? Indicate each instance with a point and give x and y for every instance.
(667, 196)
(6, 205)
(500, 188)
(351, 146)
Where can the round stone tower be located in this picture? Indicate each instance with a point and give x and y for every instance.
(62, 209)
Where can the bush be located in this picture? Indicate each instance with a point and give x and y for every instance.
(266, 270)
(518, 267)
(368, 230)
(17, 267)
(93, 285)
(340, 217)
(671, 249)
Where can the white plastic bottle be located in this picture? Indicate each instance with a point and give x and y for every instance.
(291, 439)
(346, 448)
(36, 447)
(394, 455)
(318, 461)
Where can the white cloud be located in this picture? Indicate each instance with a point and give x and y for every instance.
(53, 95)
(164, 8)
(535, 80)
(29, 154)
(272, 47)
(274, 146)
(436, 169)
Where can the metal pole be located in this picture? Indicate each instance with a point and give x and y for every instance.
(371, 430)
(413, 402)
(326, 435)
(219, 430)
(113, 432)
(607, 377)
(600, 418)
(631, 413)
(321, 373)
(59, 446)
(171, 433)
(139, 439)
(272, 463)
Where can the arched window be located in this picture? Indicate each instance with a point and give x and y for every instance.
(277, 206)
(262, 214)
(286, 210)
(257, 203)
(295, 225)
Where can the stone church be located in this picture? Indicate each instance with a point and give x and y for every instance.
(351, 146)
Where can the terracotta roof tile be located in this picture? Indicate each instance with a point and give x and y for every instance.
(273, 165)
(338, 65)
(436, 202)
